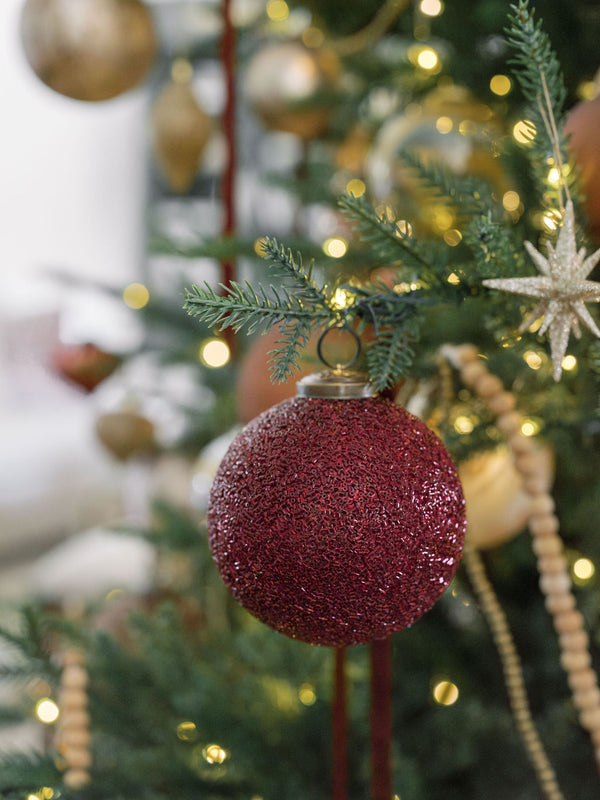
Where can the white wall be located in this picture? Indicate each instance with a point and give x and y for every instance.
(72, 174)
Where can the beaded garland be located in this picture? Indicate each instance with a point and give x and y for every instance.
(73, 735)
(555, 582)
(336, 521)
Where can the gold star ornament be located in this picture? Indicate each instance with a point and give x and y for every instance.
(562, 288)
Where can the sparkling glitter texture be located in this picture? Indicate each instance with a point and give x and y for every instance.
(336, 521)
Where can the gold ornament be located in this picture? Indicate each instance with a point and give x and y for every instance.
(89, 49)
(180, 131)
(289, 87)
(498, 507)
(562, 287)
(449, 128)
(126, 434)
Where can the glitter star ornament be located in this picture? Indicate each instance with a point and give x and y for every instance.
(562, 287)
(336, 517)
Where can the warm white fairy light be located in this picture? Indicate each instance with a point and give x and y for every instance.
(431, 8)
(463, 425)
(187, 731)
(214, 754)
(136, 295)
(277, 10)
(307, 694)
(453, 279)
(569, 363)
(356, 187)
(214, 353)
(583, 570)
(500, 85)
(47, 711)
(511, 200)
(341, 299)
(444, 124)
(445, 693)
(524, 131)
(335, 247)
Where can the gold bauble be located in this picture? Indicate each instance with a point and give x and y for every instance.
(180, 131)
(498, 508)
(89, 49)
(449, 128)
(289, 87)
(126, 434)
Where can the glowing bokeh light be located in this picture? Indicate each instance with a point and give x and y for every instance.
(136, 295)
(47, 711)
(214, 353)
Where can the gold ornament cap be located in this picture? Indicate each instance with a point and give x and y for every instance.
(336, 384)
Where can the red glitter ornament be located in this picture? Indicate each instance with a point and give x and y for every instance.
(336, 521)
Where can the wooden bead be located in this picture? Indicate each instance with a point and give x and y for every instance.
(535, 484)
(501, 403)
(552, 564)
(528, 463)
(575, 660)
(544, 546)
(74, 737)
(467, 352)
(587, 699)
(74, 677)
(590, 718)
(488, 385)
(557, 584)
(73, 657)
(76, 778)
(473, 372)
(73, 699)
(77, 757)
(582, 680)
(575, 640)
(545, 525)
(559, 603)
(75, 719)
(542, 505)
(568, 621)
(521, 444)
(509, 423)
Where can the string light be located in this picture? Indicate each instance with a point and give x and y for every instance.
(277, 10)
(532, 359)
(214, 353)
(500, 85)
(336, 247)
(429, 60)
(551, 219)
(214, 754)
(569, 363)
(403, 228)
(452, 237)
(453, 279)
(583, 570)
(136, 295)
(445, 693)
(431, 8)
(259, 246)
(587, 90)
(187, 731)
(307, 695)
(524, 131)
(341, 299)
(463, 425)
(444, 219)
(356, 187)
(511, 200)
(529, 427)
(47, 711)
(444, 124)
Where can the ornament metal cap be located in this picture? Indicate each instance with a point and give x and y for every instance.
(336, 385)
(338, 381)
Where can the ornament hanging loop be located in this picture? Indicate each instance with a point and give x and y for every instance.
(339, 366)
(338, 381)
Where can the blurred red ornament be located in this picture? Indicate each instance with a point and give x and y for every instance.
(84, 364)
(336, 521)
(582, 125)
